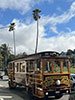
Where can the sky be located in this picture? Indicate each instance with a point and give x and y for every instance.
(56, 25)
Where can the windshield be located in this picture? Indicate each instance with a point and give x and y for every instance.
(55, 65)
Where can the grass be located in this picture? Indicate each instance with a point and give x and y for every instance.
(72, 70)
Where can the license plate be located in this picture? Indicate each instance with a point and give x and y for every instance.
(57, 92)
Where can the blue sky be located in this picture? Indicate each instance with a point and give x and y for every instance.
(56, 25)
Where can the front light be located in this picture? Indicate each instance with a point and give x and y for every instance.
(40, 89)
(67, 91)
(58, 82)
(46, 93)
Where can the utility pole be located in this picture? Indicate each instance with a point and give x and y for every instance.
(12, 28)
(36, 18)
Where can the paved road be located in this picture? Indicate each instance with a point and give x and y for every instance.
(20, 94)
(8, 94)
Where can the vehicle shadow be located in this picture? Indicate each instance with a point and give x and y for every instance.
(20, 91)
(72, 96)
(27, 96)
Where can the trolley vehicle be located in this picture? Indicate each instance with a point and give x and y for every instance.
(43, 74)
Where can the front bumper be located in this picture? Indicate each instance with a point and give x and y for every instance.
(57, 92)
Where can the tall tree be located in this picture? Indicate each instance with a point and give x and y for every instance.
(69, 52)
(1, 60)
(4, 52)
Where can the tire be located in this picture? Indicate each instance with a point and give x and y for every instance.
(70, 91)
(1, 77)
(31, 97)
(74, 87)
(12, 85)
(57, 96)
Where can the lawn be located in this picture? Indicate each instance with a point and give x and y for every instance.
(72, 70)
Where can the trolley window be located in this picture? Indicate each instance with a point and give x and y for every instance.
(30, 66)
(33, 65)
(65, 66)
(47, 66)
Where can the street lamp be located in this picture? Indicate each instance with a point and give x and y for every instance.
(36, 18)
(12, 28)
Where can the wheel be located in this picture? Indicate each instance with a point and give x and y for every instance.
(74, 87)
(31, 97)
(12, 84)
(1, 77)
(27, 89)
(57, 96)
(70, 91)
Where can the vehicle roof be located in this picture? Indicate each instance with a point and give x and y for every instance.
(45, 54)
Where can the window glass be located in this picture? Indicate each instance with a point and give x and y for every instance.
(33, 65)
(51, 65)
(37, 66)
(47, 66)
(17, 67)
(71, 78)
(65, 66)
(27, 66)
(10, 65)
(30, 66)
(56, 66)
(23, 68)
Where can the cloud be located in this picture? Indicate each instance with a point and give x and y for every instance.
(26, 36)
(60, 43)
(55, 20)
(20, 5)
(54, 29)
(65, 17)
(26, 33)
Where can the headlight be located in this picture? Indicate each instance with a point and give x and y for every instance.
(40, 89)
(46, 93)
(58, 82)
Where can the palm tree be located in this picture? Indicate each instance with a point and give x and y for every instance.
(36, 18)
(12, 28)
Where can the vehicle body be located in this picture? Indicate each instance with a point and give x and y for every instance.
(43, 74)
(72, 81)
